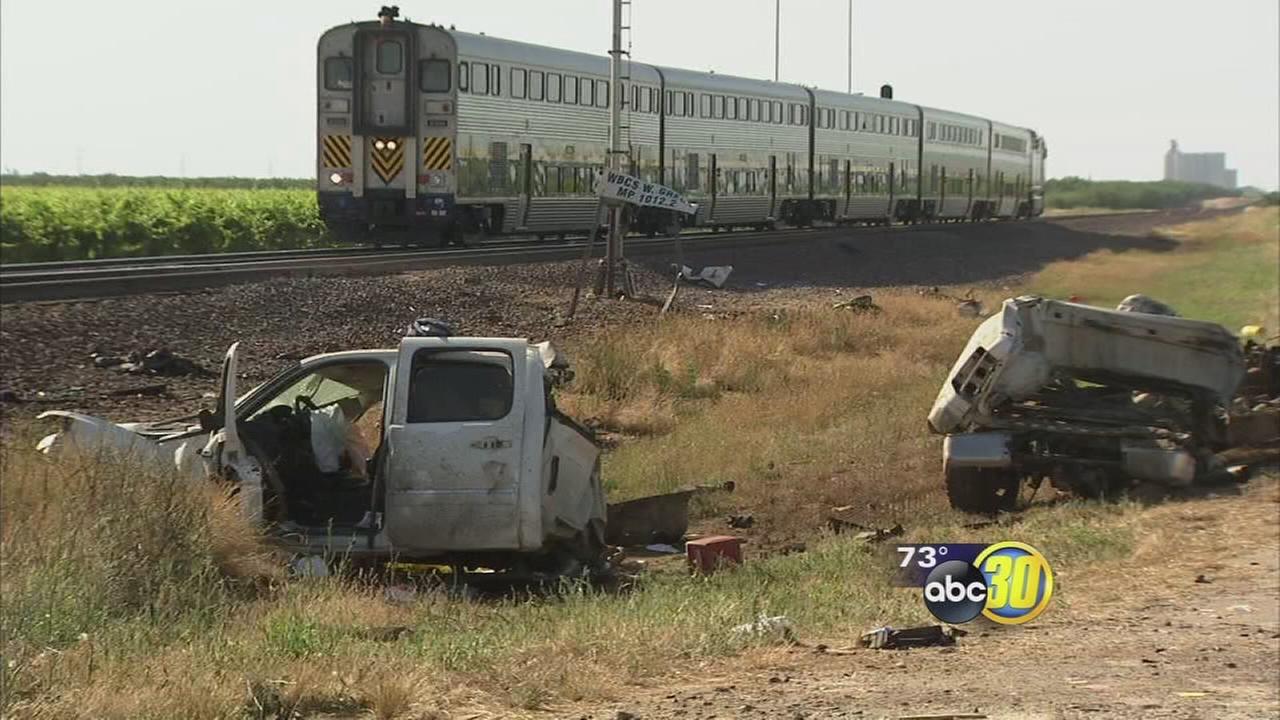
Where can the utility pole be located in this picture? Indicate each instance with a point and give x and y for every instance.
(850, 90)
(777, 35)
(613, 246)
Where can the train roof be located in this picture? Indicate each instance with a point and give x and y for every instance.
(858, 101)
(715, 82)
(528, 54)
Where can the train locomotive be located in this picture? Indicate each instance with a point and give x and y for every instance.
(426, 134)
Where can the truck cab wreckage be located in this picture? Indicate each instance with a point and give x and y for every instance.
(444, 449)
(1089, 398)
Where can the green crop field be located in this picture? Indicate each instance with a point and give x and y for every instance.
(47, 223)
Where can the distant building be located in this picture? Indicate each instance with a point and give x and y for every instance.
(1207, 168)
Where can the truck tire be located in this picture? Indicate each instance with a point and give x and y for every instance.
(982, 490)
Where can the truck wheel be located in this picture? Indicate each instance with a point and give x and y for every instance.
(982, 490)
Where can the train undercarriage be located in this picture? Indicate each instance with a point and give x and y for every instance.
(422, 222)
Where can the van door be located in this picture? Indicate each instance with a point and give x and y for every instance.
(225, 446)
(455, 446)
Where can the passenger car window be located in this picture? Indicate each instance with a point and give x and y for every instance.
(536, 85)
(337, 73)
(519, 83)
(480, 78)
(443, 390)
(389, 58)
(602, 93)
(434, 75)
(588, 92)
(464, 76)
(571, 89)
(553, 87)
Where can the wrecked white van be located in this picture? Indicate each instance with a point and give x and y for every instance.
(1089, 398)
(444, 446)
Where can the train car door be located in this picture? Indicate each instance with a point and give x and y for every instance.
(773, 186)
(715, 184)
(384, 116)
(893, 186)
(969, 205)
(526, 181)
(848, 186)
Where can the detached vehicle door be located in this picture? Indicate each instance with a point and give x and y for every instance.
(458, 474)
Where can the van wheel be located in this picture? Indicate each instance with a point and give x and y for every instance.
(983, 491)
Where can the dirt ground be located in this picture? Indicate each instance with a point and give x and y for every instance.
(46, 348)
(1134, 638)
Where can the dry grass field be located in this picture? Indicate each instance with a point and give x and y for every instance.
(127, 595)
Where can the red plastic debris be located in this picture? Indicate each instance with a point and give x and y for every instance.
(708, 554)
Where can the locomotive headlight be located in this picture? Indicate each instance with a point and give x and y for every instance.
(391, 144)
(379, 144)
(336, 178)
(438, 179)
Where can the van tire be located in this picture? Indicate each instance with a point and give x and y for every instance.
(983, 491)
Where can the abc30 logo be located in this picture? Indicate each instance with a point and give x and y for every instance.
(1010, 583)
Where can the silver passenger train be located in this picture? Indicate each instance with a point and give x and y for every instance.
(431, 133)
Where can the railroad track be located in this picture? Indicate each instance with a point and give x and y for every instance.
(85, 279)
(96, 279)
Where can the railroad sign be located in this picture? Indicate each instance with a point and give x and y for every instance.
(612, 185)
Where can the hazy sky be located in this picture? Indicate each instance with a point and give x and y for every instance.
(227, 88)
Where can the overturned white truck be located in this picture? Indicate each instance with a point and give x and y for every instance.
(1091, 399)
(442, 447)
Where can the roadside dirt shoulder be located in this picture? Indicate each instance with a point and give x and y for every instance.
(1141, 637)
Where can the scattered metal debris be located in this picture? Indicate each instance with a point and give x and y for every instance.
(777, 628)
(151, 362)
(860, 304)
(647, 520)
(888, 638)
(840, 522)
(1140, 303)
(741, 522)
(714, 276)
(969, 308)
(660, 518)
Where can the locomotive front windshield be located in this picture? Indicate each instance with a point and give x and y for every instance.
(337, 73)
(434, 76)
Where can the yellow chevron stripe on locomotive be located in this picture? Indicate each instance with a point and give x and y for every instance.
(437, 153)
(336, 151)
(387, 157)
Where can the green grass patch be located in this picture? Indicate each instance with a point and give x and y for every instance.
(1223, 270)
